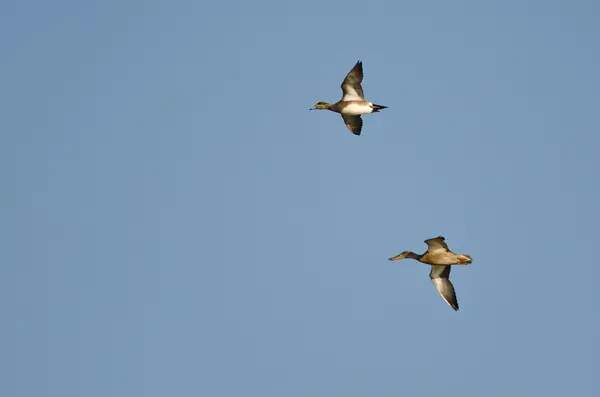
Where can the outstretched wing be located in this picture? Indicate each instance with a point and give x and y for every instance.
(351, 88)
(436, 244)
(440, 275)
(354, 123)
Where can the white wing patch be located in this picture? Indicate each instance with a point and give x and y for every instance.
(350, 94)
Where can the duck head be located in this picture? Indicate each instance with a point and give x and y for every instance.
(320, 106)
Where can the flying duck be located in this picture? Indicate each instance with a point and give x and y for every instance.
(353, 103)
(439, 256)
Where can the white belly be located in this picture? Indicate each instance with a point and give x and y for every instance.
(356, 109)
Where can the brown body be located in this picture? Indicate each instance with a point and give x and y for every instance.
(436, 258)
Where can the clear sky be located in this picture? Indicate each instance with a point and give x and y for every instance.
(176, 222)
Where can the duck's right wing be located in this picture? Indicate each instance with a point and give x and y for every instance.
(440, 275)
(351, 86)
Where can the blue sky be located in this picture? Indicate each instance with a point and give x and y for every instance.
(176, 222)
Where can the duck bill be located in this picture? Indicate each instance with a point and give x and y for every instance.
(398, 257)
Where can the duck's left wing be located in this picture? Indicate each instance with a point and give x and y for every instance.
(440, 275)
(354, 123)
(351, 86)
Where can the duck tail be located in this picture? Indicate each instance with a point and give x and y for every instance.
(377, 108)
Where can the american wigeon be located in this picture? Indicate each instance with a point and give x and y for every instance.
(353, 103)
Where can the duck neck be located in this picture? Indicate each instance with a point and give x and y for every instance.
(412, 255)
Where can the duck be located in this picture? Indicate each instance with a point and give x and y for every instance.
(353, 103)
(439, 256)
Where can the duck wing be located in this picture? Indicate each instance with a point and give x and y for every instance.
(354, 123)
(437, 244)
(440, 275)
(351, 86)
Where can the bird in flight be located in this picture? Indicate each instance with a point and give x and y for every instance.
(439, 256)
(353, 103)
